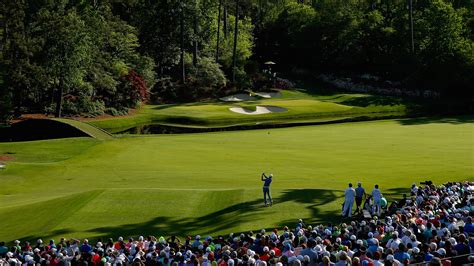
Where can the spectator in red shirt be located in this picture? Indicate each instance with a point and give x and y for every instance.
(275, 249)
(266, 255)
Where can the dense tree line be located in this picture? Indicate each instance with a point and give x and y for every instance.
(355, 36)
(92, 57)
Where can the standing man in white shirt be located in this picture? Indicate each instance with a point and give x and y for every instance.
(349, 196)
(376, 196)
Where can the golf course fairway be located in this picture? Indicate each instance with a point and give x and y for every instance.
(210, 183)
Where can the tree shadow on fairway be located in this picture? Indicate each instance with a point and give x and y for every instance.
(46, 236)
(399, 191)
(466, 119)
(206, 224)
(231, 216)
(314, 200)
(395, 194)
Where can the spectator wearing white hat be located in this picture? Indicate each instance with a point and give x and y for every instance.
(197, 242)
(441, 253)
(414, 189)
(394, 261)
(12, 260)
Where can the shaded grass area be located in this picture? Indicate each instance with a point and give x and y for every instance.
(445, 120)
(209, 183)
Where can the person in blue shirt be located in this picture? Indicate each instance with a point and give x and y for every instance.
(86, 248)
(310, 252)
(267, 180)
(3, 249)
(401, 255)
(469, 227)
(360, 193)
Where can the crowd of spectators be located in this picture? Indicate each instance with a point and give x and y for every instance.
(431, 227)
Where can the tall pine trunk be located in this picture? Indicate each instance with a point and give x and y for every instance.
(236, 32)
(218, 30)
(181, 27)
(196, 34)
(225, 29)
(410, 17)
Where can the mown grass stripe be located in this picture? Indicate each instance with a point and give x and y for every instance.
(90, 130)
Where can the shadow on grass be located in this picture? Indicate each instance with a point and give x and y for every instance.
(231, 216)
(47, 236)
(374, 100)
(395, 194)
(166, 106)
(397, 191)
(466, 119)
(313, 199)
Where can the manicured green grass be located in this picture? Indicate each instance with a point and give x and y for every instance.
(92, 131)
(209, 183)
(46, 151)
(302, 107)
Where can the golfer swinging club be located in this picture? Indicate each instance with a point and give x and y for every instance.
(266, 188)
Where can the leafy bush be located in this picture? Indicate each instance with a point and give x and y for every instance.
(116, 111)
(242, 80)
(92, 108)
(207, 73)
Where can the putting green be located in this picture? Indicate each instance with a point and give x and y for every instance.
(209, 183)
(301, 106)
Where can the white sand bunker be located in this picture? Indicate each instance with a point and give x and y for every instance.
(260, 110)
(238, 98)
(268, 94)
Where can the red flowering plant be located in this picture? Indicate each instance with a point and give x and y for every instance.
(139, 90)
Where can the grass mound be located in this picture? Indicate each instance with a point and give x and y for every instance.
(90, 130)
(40, 129)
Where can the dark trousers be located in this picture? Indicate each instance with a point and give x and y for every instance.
(358, 203)
(266, 192)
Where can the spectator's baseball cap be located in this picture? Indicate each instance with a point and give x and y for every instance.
(441, 251)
